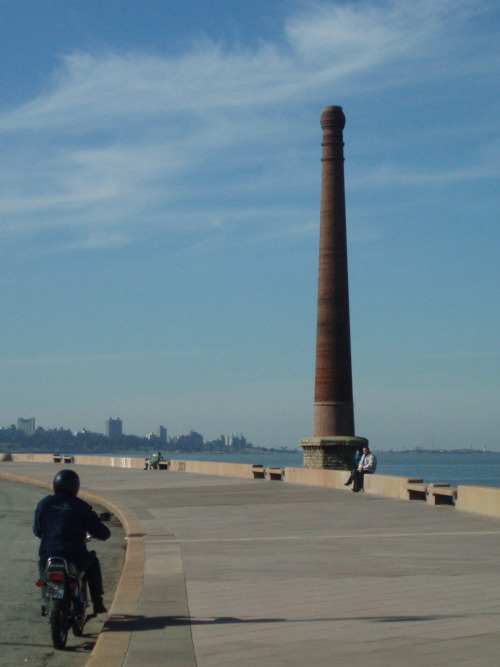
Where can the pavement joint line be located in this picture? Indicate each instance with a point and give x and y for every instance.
(341, 536)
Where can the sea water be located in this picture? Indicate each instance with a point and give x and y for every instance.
(473, 468)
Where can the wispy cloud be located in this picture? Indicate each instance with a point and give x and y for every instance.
(359, 36)
(121, 143)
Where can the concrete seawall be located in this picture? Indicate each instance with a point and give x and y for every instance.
(224, 570)
(478, 500)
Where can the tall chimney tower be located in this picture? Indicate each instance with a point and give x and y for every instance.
(333, 443)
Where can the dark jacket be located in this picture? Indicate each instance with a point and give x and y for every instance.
(62, 522)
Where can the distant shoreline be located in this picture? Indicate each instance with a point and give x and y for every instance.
(8, 448)
(417, 450)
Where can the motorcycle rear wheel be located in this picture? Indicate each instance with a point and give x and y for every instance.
(58, 619)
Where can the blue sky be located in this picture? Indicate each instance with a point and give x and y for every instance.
(159, 214)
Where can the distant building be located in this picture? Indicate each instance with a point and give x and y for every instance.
(235, 441)
(161, 432)
(192, 440)
(113, 428)
(26, 425)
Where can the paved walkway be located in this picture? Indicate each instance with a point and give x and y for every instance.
(266, 574)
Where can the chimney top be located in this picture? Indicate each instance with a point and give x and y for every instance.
(333, 117)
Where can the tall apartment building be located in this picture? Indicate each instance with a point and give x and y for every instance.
(113, 427)
(161, 433)
(235, 441)
(26, 425)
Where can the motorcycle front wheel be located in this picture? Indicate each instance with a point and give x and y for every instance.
(58, 619)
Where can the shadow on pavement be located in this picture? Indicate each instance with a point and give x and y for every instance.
(138, 623)
(142, 623)
(86, 647)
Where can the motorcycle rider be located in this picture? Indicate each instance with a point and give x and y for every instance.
(62, 522)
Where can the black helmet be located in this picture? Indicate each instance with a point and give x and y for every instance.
(66, 481)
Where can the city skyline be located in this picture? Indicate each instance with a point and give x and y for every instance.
(159, 214)
(113, 427)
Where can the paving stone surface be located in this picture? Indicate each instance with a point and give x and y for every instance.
(252, 572)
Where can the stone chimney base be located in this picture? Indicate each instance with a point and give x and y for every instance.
(331, 453)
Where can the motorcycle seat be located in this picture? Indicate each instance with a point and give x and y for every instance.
(70, 568)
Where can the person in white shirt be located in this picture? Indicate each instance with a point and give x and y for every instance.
(366, 466)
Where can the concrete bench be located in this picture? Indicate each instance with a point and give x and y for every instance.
(156, 465)
(57, 458)
(274, 473)
(258, 472)
(441, 494)
(417, 491)
(68, 459)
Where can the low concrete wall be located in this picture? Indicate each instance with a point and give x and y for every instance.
(317, 477)
(33, 458)
(243, 470)
(83, 460)
(478, 499)
(112, 461)
(389, 486)
(381, 485)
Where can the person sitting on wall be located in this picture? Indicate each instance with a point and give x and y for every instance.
(154, 461)
(366, 466)
(358, 456)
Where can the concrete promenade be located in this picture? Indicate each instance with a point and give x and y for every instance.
(223, 572)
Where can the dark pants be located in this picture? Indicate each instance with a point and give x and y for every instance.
(90, 564)
(357, 479)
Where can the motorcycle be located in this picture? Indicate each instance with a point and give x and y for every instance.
(67, 599)
(66, 596)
